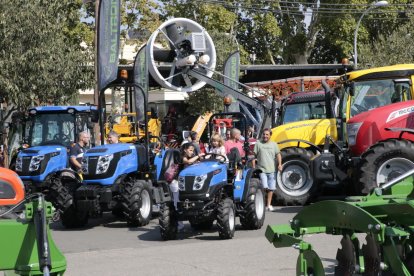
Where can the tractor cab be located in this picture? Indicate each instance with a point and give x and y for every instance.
(44, 164)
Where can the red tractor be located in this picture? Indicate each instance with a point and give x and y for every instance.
(375, 130)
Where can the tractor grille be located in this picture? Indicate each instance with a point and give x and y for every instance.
(93, 164)
(26, 164)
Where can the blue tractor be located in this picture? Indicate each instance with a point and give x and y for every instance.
(213, 190)
(117, 178)
(44, 165)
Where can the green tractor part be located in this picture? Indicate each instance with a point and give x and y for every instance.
(27, 247)
(386, 216)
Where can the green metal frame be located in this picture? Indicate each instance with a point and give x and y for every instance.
(19, 243)
(386, 214)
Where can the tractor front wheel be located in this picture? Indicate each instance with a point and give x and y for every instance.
(295, 186)
(254, 206)
(137, 202)
(226, 219)
(168, 222)
(383, 162)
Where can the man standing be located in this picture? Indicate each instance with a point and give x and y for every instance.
(113, 137)
(266, 152)
(77, 151)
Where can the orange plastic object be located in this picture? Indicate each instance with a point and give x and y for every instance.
(11, 188)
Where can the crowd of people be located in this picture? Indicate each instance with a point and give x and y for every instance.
(267, 154)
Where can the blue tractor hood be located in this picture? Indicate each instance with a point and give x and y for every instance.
(202, 168)
(38, 162)
(42, 150)
(109, 149)
(104, 164)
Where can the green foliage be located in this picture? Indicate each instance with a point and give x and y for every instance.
(41, 58)
(204, 100)
(398, 47)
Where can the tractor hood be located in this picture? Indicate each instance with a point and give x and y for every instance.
(202, 180)
(42, 150)
(313, 131)
(109, 149)
(201, 168)
(382, 123)
(105, 164)
(38, 162)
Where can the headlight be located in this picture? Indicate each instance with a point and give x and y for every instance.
(199, 182)
(103, 163)
(84, 164)
(19, 164)
(352, 132)
(35, 162)
(181, 183)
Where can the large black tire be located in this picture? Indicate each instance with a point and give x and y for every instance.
(168, 222)
(74, 218)
(383, 162)
(226, 219)
(199, 224)
(137, 202)
(254, 206)
(294, 184)
(59, 195)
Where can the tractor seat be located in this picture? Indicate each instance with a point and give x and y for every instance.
(234, 159)
(171, 156)
(11, 191)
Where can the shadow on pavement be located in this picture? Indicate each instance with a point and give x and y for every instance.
(287, 210)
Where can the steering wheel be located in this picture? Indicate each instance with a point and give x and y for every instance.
(61, 137)
(221, 158)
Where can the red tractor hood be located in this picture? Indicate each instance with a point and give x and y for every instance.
(376, 122)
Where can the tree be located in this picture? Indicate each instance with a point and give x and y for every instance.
(204, 100)
(390, 49)
(41, 58)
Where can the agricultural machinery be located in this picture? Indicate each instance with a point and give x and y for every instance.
(367, 144)
(315, 110)
(44, 165)
(27, 247)
(213, 190)
(385, 216)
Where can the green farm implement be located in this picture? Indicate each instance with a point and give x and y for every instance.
(25, 241)
(386, 216)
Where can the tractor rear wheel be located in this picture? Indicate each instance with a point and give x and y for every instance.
(74, 218)
(168, 222)
(226, 219)
(383, 162)
(254, 206)
(137, 202)
(294, 184)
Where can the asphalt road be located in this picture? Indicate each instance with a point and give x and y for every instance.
(109, 247)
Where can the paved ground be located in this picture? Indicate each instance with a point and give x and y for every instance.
(109, 247)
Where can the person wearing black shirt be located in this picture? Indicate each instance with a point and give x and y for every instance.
(77, 151)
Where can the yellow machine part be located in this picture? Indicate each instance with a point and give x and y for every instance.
(313, 131)
(126, 129)
(201, 123)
